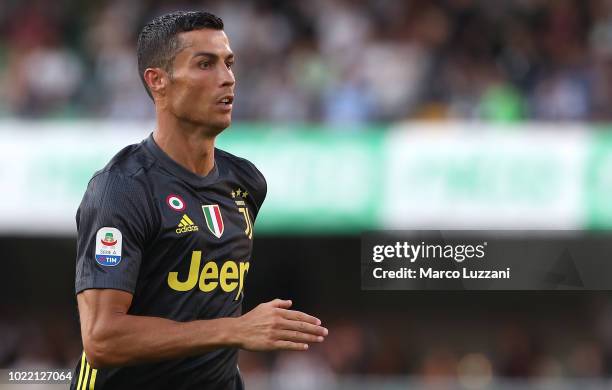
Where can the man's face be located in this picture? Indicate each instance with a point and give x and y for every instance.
(201, 89)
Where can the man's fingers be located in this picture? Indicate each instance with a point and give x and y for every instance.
(299, 316)
(303, 327)
(290, 345)
(282, 304)
(298, 337)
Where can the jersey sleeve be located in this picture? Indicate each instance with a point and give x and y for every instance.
(114, 221)
(261, 188)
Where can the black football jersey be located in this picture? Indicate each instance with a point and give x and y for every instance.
(180, 243)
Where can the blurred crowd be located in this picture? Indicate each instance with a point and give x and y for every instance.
(331, 61)
(466, 349)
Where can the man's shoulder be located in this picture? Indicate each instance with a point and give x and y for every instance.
(242, 165)
(130, 161)
(245, 170)
(126, 170)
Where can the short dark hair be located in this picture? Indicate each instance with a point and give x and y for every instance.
(158, 41)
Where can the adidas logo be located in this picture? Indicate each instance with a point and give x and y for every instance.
(186, 225)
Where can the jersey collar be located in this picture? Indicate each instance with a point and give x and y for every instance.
(178, 170)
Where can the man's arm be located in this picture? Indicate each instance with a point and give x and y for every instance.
(111, 337)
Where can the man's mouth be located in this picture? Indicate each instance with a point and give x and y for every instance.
(226, 100)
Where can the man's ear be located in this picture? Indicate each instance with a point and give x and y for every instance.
(157, 79)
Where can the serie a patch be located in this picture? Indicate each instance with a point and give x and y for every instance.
(108, 246)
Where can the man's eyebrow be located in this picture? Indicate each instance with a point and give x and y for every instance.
(211, 55)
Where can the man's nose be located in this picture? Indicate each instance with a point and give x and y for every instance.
(227, 78)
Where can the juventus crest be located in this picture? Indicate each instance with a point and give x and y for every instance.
(239, 196)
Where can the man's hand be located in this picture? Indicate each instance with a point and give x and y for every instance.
(271, 326)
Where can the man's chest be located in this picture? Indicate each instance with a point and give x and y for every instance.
(204, 239)
(208, 219)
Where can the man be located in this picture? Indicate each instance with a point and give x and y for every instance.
(165, 233)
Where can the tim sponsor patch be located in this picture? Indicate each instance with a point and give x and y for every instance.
(108, 246)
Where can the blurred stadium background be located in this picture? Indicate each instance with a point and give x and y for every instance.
(363, 115)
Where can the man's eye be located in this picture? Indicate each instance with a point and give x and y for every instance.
(204, 65)
(229, 65)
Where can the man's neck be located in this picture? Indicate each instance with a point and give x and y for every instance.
(189, 146)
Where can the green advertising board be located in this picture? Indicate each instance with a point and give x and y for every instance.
(326, 180)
